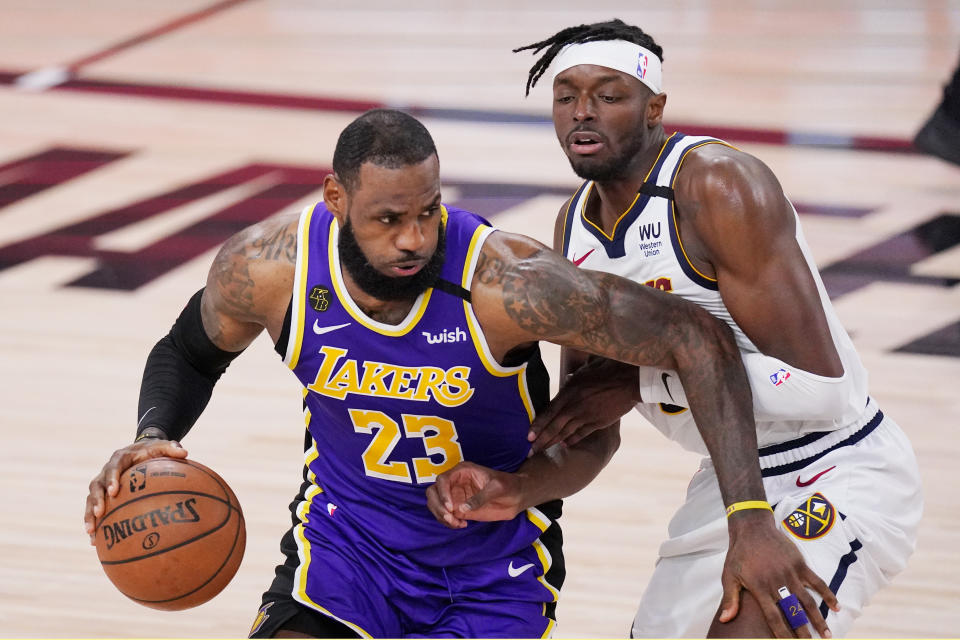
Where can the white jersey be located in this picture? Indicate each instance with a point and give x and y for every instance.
(841, 475)
(645, 247)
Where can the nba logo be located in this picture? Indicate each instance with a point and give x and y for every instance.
(779, 377)
(642, 66)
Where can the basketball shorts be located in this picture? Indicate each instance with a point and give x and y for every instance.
(849, 499)
(353, 587)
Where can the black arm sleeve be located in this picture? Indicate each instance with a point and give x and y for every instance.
(179, 375)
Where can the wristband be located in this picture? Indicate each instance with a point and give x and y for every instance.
(748, 504)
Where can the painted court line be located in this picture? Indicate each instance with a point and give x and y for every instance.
(49, 77)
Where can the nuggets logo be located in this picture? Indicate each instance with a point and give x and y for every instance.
(318, 298)
(262, 616)
(812, 519)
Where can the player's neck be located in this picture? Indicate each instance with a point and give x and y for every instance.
(614, 197)
(385, 311)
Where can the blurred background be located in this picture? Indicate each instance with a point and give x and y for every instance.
(135, 137)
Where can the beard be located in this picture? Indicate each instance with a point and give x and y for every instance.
(612, 168)
(383, 287)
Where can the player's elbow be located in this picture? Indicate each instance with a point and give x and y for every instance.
(706, 343)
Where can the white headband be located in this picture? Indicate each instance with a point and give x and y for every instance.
(630, 58)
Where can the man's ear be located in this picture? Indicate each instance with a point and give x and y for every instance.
(655, 107)
(335, 197)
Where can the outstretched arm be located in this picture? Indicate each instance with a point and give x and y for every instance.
(526, 292)
(473, 492)
(594, 392)
(523, 292)
(247, 290)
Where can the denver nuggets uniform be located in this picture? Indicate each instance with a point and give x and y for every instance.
(387, 409)
(843, 479)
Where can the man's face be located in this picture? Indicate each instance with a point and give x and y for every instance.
(600, 118)
(390, 241)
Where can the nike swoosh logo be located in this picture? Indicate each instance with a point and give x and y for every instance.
(664, 376)
(317, 329)
(577, 261)
(801, 483)
(516, 571)
(140, 421)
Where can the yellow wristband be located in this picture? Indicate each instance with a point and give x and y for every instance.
(748, 504)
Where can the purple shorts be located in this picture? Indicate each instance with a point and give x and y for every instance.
(378, 593)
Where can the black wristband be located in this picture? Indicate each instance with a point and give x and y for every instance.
(179, 375)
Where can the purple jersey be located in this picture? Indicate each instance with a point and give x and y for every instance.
(390, 407)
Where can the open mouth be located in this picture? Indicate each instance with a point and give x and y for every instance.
(406, 268)
(585, 142)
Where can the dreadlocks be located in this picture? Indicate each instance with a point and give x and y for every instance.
(612, 30)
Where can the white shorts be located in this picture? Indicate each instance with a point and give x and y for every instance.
(850, 500)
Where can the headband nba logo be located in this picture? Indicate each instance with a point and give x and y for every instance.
(642, 66)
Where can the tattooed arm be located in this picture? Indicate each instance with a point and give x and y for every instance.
(248, 289)
(524, 292)
(250, 283)
(594, 392)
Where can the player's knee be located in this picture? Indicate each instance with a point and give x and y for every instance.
(749, 622)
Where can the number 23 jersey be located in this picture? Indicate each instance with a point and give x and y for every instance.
(390, 407)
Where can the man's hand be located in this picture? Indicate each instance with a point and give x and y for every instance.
(473, 492)
(595, 396)
(107, 482)
(761, 560)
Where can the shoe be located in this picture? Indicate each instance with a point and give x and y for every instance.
(940, 136)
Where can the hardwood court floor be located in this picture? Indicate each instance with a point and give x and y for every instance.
(183, 120)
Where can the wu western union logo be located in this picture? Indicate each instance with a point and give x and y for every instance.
(336, 379)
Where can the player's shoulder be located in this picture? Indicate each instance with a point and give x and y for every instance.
(513, 246)
(252, 274)
(271, 240)
(722, 172)
(563, 218)
(710, 162)
(458, 216)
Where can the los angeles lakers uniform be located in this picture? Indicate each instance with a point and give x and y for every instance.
(387, 409)
(842, 478)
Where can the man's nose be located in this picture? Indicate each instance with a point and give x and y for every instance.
(411, 237)
(583, 109)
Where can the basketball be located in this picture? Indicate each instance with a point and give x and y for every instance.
(173, 536)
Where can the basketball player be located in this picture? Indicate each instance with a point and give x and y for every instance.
(700, 219)
(413, 328)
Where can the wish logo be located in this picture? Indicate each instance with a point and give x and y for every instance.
(449, 335)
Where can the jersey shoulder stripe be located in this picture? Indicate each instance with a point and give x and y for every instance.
(682, 258)
(569, 215)
(298, 302)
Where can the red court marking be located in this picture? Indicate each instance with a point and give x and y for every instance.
(224, 96)
(780, 137)
(173, 25)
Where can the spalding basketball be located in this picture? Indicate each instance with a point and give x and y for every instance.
(173, 536)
